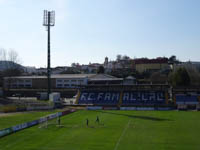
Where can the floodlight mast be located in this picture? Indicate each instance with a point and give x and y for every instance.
(48, 21)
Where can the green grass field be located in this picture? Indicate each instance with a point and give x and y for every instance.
(118, 130)
(11, 119)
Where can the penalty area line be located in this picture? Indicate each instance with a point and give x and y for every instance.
(123, 133)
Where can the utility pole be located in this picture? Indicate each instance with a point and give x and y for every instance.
(48, 21)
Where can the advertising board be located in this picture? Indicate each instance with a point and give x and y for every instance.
(5, 131)
(110, 108)
(52, 116)
(128, 108)
(94, 107)
(32, 123)
(19, 127)
(145, 108)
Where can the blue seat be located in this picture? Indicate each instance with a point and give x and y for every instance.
(187, 99)
(94, 96)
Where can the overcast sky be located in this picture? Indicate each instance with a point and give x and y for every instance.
(88, 30)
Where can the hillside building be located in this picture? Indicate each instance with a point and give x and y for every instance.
(150, 65)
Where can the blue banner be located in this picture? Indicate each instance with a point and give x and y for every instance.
(32, 123)
(19, 127)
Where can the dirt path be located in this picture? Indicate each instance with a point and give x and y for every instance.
(12, 114)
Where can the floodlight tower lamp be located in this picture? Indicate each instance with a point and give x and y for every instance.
(48, 21)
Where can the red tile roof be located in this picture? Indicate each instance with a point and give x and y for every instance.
(151, 61)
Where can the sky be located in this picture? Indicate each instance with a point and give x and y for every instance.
(89, 30)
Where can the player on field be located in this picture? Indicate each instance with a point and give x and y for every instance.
(97, 120)
(87, 122)
(59, 120)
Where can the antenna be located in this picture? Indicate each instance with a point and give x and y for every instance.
(48, 21)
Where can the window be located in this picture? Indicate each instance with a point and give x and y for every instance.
(66, 85)
(21, 85)
(59, 85)
(27, 85)
(13, 81)
(80, 82)
(59, 80)
(20, 81)
(27, 81)
(14, 85)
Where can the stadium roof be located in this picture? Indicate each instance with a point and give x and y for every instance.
(130, 78)
(91, 77)
(103, 77)
(55, 76)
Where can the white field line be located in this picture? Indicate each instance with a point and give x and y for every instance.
(123, 133)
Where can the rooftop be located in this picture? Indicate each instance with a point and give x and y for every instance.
(55, 76)
(103, 77)
(151, 61)
(92, 77)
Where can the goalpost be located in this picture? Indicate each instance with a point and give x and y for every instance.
(53, 119)
(43, 122)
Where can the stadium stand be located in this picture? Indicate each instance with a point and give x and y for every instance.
(99, 97)
(187, 99)
(122, 98)
(143, 98)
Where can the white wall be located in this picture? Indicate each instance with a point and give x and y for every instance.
(70, 82)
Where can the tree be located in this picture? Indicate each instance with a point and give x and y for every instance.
(119, 57)
(172, 58)
(10, 58)
(75, 64)
(125, 57)
(158, 77)
(3, 54)
(194, 75)
(10, 64)
(180, 77)
(100, 69)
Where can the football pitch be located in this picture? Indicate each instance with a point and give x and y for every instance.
(117, 130)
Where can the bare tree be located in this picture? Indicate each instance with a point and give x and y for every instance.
(10, 58)
(10, 64)
(3, 54)
(13, 56)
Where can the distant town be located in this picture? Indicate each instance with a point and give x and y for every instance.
(123, 70)
(125, 63)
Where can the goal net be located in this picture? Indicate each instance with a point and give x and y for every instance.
(51, 120)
